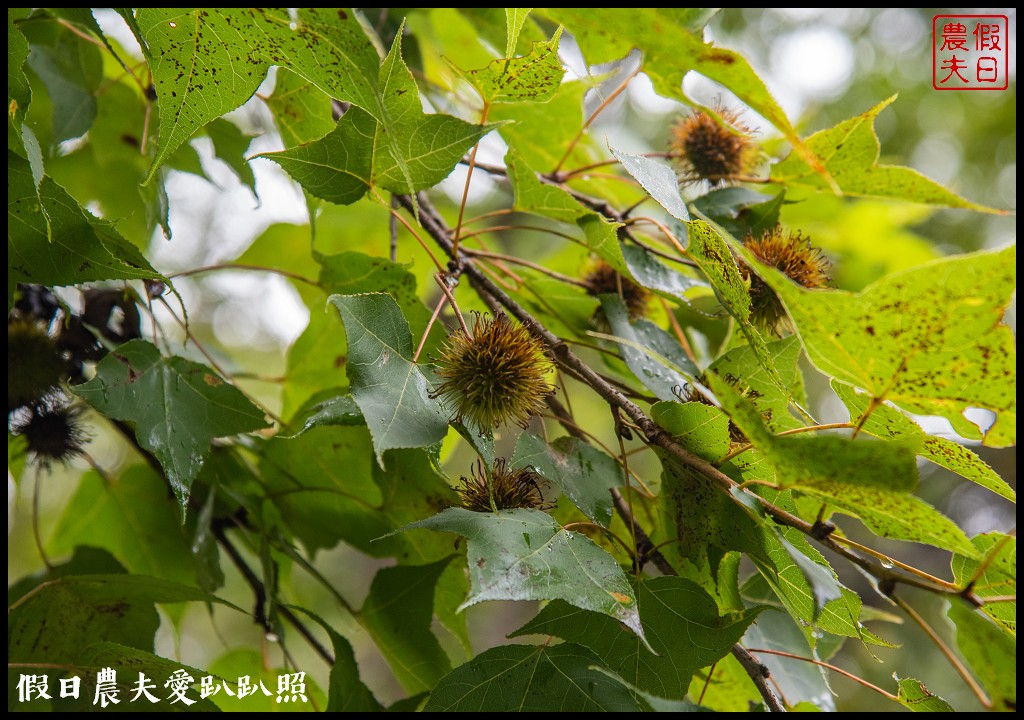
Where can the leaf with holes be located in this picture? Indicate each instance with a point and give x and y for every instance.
(399, 148)
(671, 49)
(930, 340)
(888, 422)
(526, 555)
(177, 407)
(870, 480)
(531, 78)
(850, 152)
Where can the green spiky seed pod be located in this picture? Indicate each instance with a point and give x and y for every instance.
(794, 255)
(53, 432)
(495, 375)
(512, 488)
(705, 149)
(35, 367)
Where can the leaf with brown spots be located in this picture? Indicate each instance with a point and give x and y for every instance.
(867, 479)
(930, 340)
(888, 422)
(531, 78)
(850, 151)
(999, 580)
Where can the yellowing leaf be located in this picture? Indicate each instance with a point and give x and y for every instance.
(850, 152)
(930, 340)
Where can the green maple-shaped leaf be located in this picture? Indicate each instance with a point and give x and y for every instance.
(888, 422)
(850, 152)
(871, 480)
(681, 621)
(388, 386)
(176, 406)
(930, 340)
(398, 148)
(526, 555)
(52, 240)
(523, 678)
(208, 62)
(531, 78)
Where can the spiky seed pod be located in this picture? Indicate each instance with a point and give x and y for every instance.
(53, 432)
(35, 367)
(512, 488)
(794, 255)
(705, 149)
(493, 376)
(604, 279)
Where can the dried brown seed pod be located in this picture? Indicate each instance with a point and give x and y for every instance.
(53, 432)
(794, 255)
(604, 279)
(511, 488)
(705, 149)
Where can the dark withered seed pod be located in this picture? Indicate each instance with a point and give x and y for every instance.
(495, 375)
(604, 279)
(53, 432)
(512, 488)
(705, 149)
(794, 255)
(35, 367)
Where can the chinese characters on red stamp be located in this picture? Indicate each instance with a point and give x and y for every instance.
(970, 52)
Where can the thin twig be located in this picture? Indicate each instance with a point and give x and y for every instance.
(255, 268)
(525, 263)
(441, 283)
(593, 116)
(260, 593)
(834, 668)
(35, 517)
(759, 674)
(433, 319)
(393, 230)
(465, 190)
(655, 435)
(945, 650)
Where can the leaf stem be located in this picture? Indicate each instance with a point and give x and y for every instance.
(834, 668)
(441, 283)
(426, 332)
(794, 431)
(525, 263)
(593, 116)
(255, 268)
(465, 190)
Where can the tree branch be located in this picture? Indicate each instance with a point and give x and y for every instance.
(494, 296)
